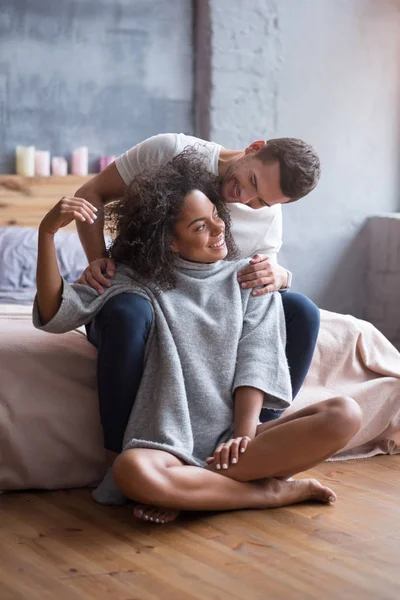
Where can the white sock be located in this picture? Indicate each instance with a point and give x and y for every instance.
(107, 492)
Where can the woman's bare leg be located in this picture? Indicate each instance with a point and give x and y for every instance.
(158, 478)
(289, 445)
(296, 442)
(338, 415)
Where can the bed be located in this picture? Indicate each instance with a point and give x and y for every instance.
(50, 433)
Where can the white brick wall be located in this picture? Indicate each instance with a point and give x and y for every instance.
(245, 62)
(382, 306)
(298, 68)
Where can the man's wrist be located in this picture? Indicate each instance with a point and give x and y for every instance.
(288, 281)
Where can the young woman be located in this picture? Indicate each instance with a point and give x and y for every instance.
(215, 355)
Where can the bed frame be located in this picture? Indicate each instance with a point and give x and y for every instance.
(25, 200)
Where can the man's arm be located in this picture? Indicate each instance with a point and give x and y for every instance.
(101, 189)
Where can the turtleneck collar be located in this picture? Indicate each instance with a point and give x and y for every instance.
(188, 265)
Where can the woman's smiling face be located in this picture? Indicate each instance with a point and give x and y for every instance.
(199, 234)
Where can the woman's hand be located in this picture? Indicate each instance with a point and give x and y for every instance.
(228, 453)
(93, 274)
(66, 210)
(263, 273)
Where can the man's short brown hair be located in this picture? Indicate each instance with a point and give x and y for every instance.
(300, 168)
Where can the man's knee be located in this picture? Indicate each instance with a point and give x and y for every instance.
(126, 311)
(302, 309)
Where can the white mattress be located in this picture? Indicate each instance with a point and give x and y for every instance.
(16, 311)
(23, 312)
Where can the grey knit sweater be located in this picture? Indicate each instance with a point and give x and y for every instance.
(208, 337)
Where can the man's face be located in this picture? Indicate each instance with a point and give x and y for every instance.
(249, 181)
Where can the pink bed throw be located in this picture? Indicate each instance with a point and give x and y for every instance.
(354, 359)
(50, 432)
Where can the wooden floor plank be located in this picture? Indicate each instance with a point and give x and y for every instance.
(61, 545)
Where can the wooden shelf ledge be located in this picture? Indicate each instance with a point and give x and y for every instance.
(25, 200)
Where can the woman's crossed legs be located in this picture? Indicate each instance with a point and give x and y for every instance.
(280, 449)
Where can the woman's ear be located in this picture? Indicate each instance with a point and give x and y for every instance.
(173, 245)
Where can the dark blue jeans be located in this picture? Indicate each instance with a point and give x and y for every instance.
(120, 331)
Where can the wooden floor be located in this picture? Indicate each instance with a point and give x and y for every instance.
(61, 546)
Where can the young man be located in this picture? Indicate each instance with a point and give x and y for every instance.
(254, 182)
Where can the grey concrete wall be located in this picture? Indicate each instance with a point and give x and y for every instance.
(383, 275)
(326, 71)
(103, 73)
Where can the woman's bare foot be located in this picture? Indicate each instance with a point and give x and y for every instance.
(274, 493)
(278, 492)
(154, 514)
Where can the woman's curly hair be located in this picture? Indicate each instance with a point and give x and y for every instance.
(143, 221)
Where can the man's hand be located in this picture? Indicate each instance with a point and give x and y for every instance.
(263, 272)
(95, 274)
(228, 453)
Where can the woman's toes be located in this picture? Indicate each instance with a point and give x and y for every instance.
(321, 492)
(148, 514)
(155, 514)
(165, 517)
(169, 516)
(143, 512)
(138, 511)
(159, 517)
(331, 496)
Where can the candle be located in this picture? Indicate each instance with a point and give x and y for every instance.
(25, 160)
(80, 161)
(105, 161)
(42, 163)
(59, 166)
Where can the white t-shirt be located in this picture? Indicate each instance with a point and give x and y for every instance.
(255, 231)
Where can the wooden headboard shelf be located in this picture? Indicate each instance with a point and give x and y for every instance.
(25, 200)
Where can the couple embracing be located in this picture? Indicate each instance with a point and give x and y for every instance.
(201, 347)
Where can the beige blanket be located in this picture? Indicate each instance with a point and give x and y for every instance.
(354, 359)
(50, 433)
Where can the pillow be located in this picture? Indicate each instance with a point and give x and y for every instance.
(18, 254)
